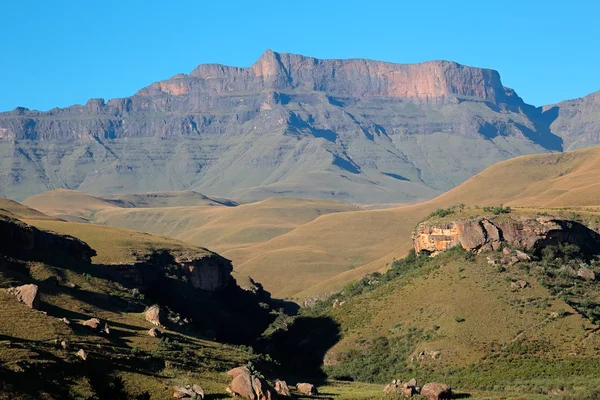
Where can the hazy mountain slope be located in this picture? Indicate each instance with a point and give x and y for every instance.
(224, 227)
(576, 121)
(68, 204)
(360, 131)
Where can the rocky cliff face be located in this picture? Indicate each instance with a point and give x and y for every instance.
(478, 234)
(576, 121)
(28, 243)
(353, 130)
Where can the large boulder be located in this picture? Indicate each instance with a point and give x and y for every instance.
(28, 294)
(155, 315)
(252, 387)
(281, 387)
(307, 388)
(586, 273)
(436, 391)
(93, 323)
(238, 371)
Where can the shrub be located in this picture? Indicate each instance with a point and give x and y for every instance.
(497, 210)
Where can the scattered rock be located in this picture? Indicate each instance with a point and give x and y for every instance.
(436, 391)
(522, 284)
(586, 274)
(514, 260)
(106, 329)
(64, 344)
(252, 387)
(188, 392)
(307, 388)
(554, 315)
(154, 315)
(506, 251)
(82, 354)
(93, 323)
(27, 294)
(570, 270)
(66, 321)
(514, 285)
(154, 332)
(522, 256)
(281, 387)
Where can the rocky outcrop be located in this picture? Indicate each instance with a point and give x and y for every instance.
(209, 272)
(281, 387)
(251, 387)
(23, 241)
(487, 233)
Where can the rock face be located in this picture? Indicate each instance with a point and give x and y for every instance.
(29, 243)
(531, 233)
(210, 272)
(576, 121)
(353, 130)
(28, 294)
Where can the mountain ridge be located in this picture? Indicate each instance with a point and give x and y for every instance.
(358, 131)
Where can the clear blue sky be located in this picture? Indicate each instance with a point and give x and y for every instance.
(58, 53)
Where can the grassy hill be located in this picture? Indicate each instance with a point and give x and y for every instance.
(456, 318)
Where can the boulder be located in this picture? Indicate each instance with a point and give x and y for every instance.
(281, 387)
(570, 270)
(586, 274)
(307, 388)
(28, 294)
(82, 354)
(238, 371)
(436, 391)
(252, 387)
(522, 256)
(93, 323)
(522, 284)
(514, 285)
(66, 321)
(506, 251)
(155, 315)
(188, 392)
(154, 332)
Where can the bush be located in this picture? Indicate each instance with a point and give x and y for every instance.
(441, 212)
(497, 210)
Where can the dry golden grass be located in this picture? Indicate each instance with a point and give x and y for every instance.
(67, 204)
(116, 245)
(16, 210)
(296, 251)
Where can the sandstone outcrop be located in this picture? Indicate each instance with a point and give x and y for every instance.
(487, 233)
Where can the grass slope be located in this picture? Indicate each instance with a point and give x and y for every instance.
(68, 204)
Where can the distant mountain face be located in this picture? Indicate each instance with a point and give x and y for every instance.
(353, 130)
(576, 121)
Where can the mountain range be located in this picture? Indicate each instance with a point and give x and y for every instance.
(358, 131)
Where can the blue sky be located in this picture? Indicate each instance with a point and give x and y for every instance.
(57, 53)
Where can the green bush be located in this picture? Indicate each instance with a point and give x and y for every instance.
(497, 210)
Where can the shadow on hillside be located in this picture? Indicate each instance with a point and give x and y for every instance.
(302, 347)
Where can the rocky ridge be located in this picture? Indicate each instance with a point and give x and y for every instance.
(356, 130)
(489, 233)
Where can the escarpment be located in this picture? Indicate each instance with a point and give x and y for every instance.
(488, 233)
(27, 242)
